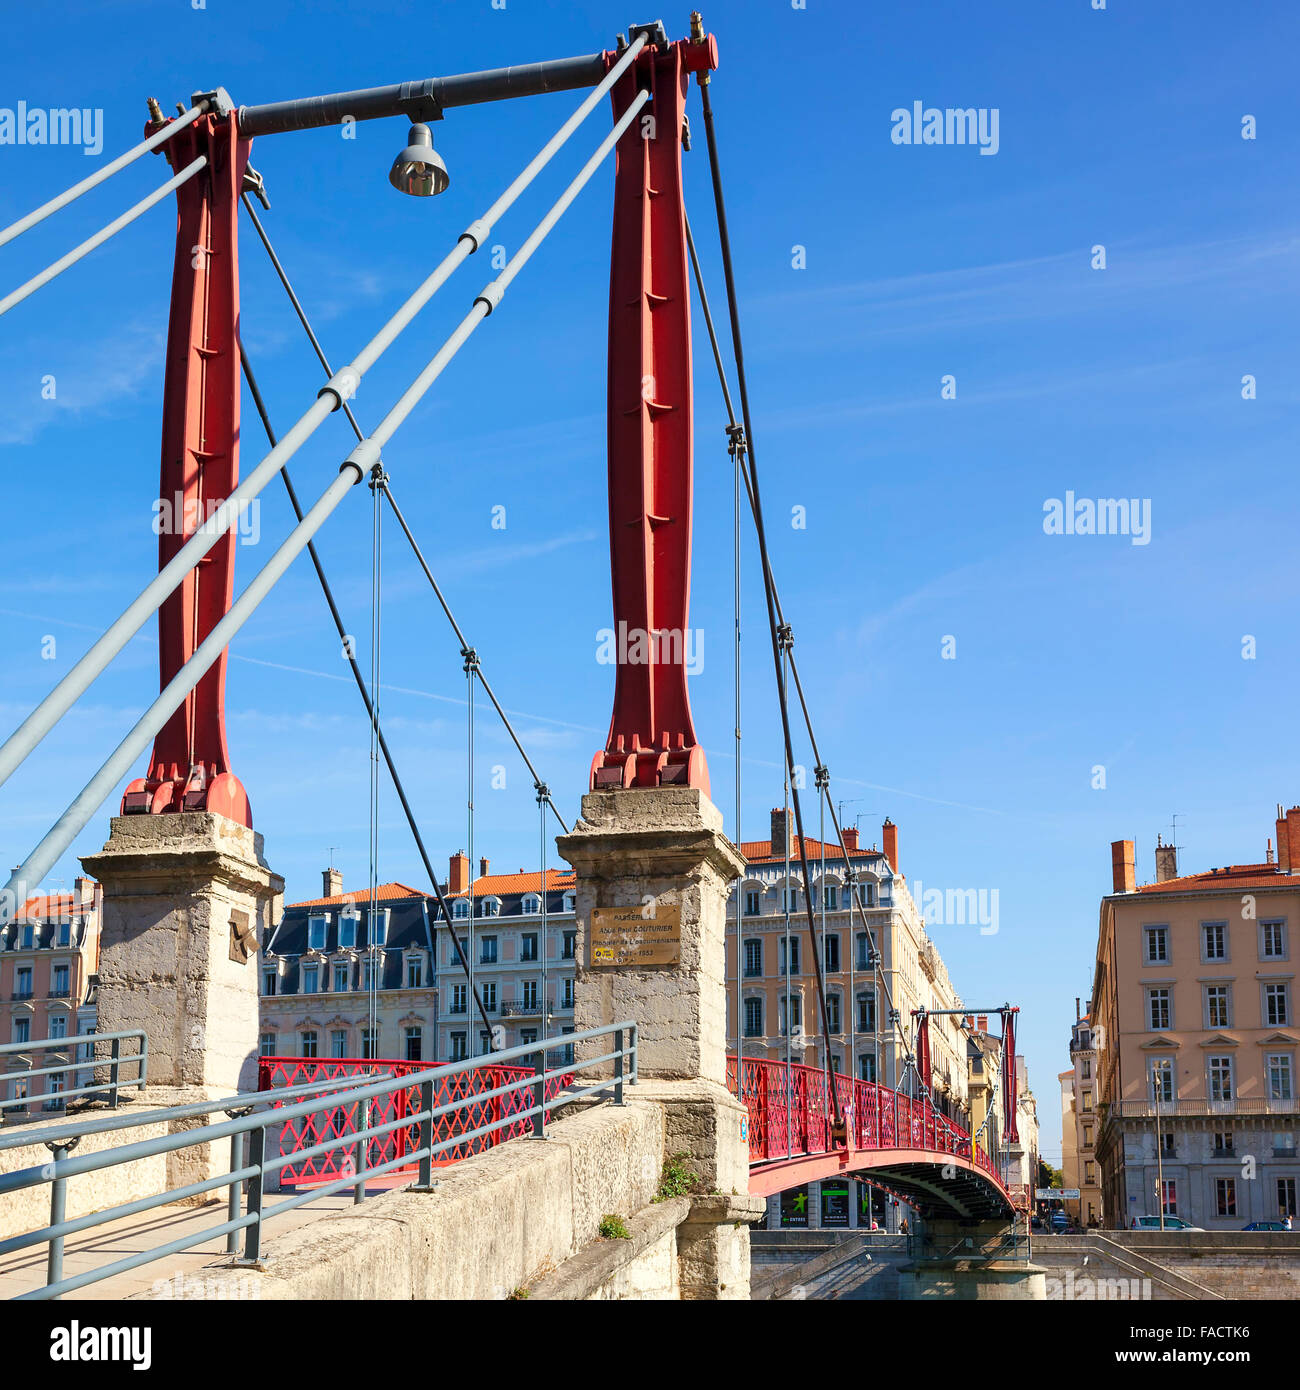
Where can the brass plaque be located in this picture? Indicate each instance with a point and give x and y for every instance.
(649, 935)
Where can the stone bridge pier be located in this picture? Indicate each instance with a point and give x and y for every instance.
(971, 1261)
(653, 873)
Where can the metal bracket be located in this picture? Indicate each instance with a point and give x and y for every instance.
(219, 102)
(655, 33)
(255, 184)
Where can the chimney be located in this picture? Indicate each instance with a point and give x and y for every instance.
(851, 839)
(332, 881)
(781, 838)
(1166, 861)
(1283, 842)
(983, 1023)
(83, 889)
(482, 866)
(458, 872)
(1077, 1014)
(1123, 866)
(1268, 853)
(889, 842)
(1292, 834)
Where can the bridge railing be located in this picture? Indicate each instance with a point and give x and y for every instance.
(790, 1114)
(340, 1121)
(55, 1094)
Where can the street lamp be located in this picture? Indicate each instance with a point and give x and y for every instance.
(419, 169)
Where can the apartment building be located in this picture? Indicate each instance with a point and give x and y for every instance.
(778, 1004)
(1195, 1038)
(49, 956)
(1079, 1121)
(334, 985)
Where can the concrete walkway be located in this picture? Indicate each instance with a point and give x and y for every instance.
(25, 1270)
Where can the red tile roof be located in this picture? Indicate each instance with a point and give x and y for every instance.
(51, 904)
(1234, 876)
(493, 884)
(386, 892)
(760, 851)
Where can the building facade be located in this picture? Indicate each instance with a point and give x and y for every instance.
(49, 956)
(1195, 1039)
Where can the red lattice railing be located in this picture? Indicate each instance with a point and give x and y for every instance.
(879, 1117)
(338, 1121)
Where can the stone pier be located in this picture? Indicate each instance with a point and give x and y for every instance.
(653, 873)
(188, 898)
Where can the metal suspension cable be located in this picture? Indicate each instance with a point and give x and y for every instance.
(376, 630)
(392, 501)
(371, 712)
(775, 629)
(340, 388)
(365, 456)
(471, 661)
(69, 195)
(738, 445)
(57, 268)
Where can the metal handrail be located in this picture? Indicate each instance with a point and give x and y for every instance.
(253, 1113)
(113, 1062)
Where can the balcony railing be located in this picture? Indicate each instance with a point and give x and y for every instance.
(520, 1008)
(1173, 1109)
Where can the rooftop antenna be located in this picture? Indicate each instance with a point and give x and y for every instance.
(332, 848)
(1173, 830)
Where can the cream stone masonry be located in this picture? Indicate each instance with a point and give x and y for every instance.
(187, 898)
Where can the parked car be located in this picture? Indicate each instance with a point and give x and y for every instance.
(1060, 1221)
(1172, 1223)
(1265, 1226)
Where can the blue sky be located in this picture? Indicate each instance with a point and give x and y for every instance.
(924, 516)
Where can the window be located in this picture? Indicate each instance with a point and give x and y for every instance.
(458, 1049)
(458, 998)
(1162, 1079)
(1214, 941)
(1086, 1107)
(307, 1042)
(753, 902)
(484, 1042)
(341, 973)
(339, 1042)
(529, 994)
(753, 1018)
(531, 905)
(60, 988)
(379, 926)
(832, 893)
(23, 982)
(1272, 940)
(414, 972)
(866, 1068)
(490, 996)
(1216, 1006)
(316, 933)
(832, 1013)
(566, 997)
(1277, 1009)
(526, 1036)
(268, 982)
(461, 909)
(414, 1042)
(1157, 945)
(1167, 1143)
(1225, 1196)
(1222, 1143)
(790, 943)
(1085, 1069)
(311, 979)
(833, 951)
(65, 933)
(1220, 1078)
(570, 945)
(753, 957)
(487, 953)
(266, 1045)
(864, 959)
(369, 1041)
(566, 1052)
(1286, 1197)
(528, 946)
(489, 907)
(348, 931)
(789, 900)
(29, 936)
(1279, 1067)
(1089, 1172)
(58, 1025)
(570, 903)
(1169, 1197)
(1160, 1009)
(867, 1011)
(1087, 1136)
(867, 894)
(795, 1005)
(368, 973)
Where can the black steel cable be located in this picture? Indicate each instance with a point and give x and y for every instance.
(360, 680)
